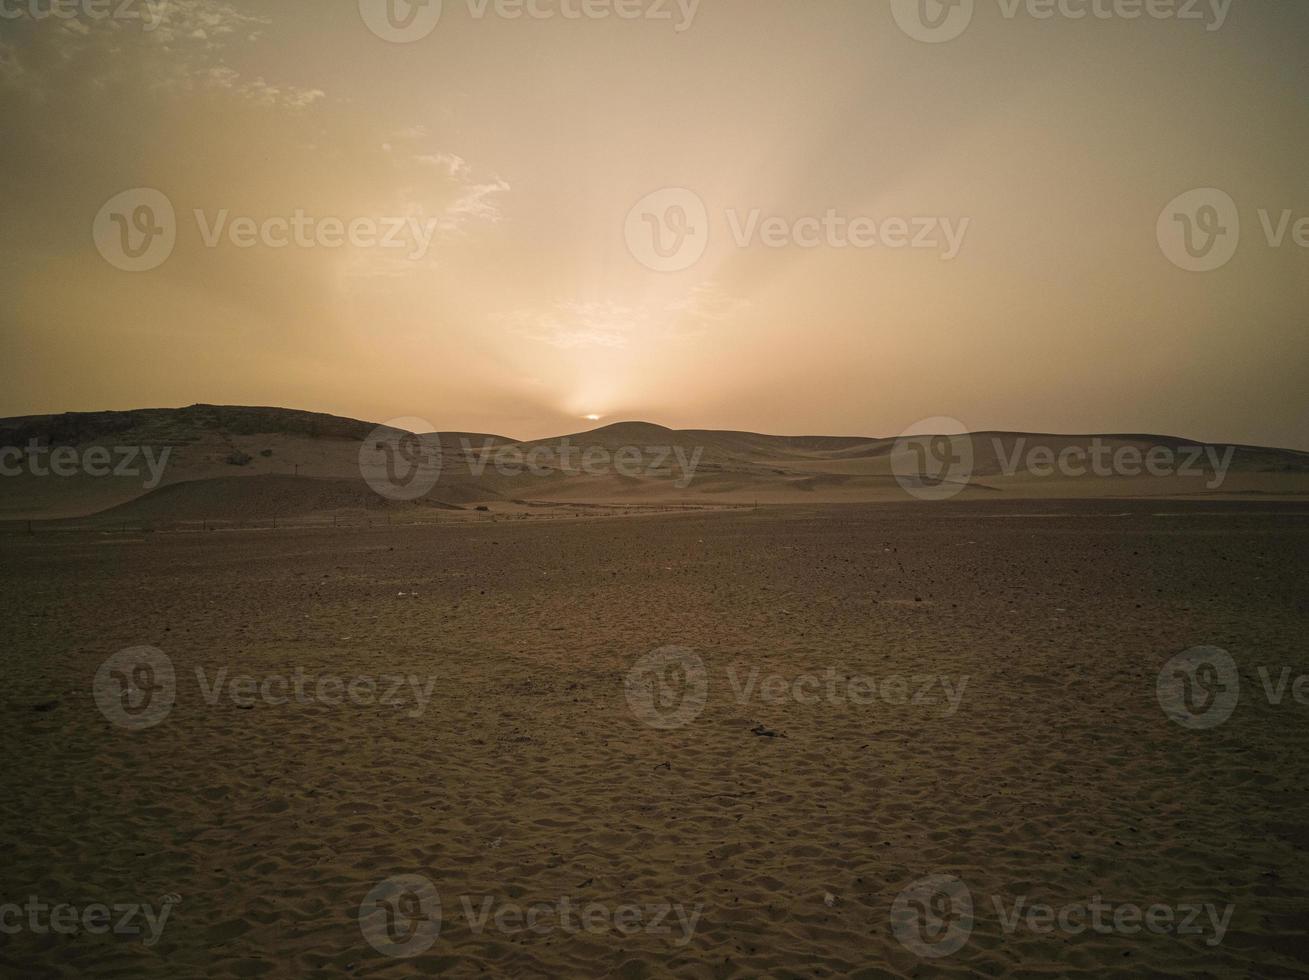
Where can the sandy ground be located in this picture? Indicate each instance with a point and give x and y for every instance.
(776, 825)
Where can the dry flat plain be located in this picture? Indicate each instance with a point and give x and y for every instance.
(890, 692)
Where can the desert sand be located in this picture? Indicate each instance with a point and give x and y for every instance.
(790, 824)
(230, 465)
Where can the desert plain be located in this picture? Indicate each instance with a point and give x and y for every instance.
(861, 696)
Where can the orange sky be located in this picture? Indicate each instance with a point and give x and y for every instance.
(1033, 159)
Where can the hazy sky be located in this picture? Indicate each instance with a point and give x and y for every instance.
(1034, 158)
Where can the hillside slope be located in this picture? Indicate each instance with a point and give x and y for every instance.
(198, 463)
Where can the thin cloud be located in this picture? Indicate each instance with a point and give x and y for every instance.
(575, 325)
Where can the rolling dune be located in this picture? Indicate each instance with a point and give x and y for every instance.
(200, 459)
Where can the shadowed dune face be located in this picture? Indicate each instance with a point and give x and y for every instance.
(195, 463)
(234, 498)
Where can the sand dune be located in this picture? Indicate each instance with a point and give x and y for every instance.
(194, 463)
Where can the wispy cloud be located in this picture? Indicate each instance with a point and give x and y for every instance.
(570, 326)
(574, 325)
(707, 304)
(203, 23)
(110, 105)
(258, 90)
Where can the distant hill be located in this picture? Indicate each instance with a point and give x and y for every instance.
(206, 456)
(180, 425)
